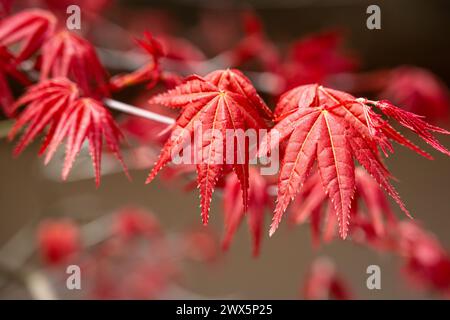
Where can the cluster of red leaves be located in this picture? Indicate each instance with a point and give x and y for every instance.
(221, 100)
(71, 110)
(334, 128)
(125, 250)
(312, 123)
(324, 283)
(57, 103)
(426, 263)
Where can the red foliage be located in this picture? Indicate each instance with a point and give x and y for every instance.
(70, 56)
(8, 68)
(427, 263)
(131, 222)
(369, 205)
(335, 128)
(28, 29)
(200, 245)
(56, 103)
(222, 100)
(234, 211)
(58, 241)
(151, 73)
(254, 46)
(315, 57)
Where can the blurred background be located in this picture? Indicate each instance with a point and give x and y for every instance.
(412, 33)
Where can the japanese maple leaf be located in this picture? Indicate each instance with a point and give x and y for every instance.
(57, 103)
(46, 102)
(335, 128)
(27, 29)
(312, 203)
(223, 100)
(234, 212)
(151, 72)
(68, 55)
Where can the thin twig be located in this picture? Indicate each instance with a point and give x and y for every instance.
(127, 108)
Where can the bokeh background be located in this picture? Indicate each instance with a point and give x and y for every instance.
(413, 32)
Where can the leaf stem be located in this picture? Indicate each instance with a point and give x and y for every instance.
(130, 109)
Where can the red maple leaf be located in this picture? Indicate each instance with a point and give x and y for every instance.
(335, 128)
(28, 29)
(68, 55)
(57, 103)
(258, 200)
(223, 100)
(312, 203)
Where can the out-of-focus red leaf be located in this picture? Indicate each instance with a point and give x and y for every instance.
(8, 69)
(418, 90)
(370, 213)
(254, 45)
(324, 283)
(131, 222)
(258, 200)
(427, 263)
(58, 241)
(315, 57)
(200, 245)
